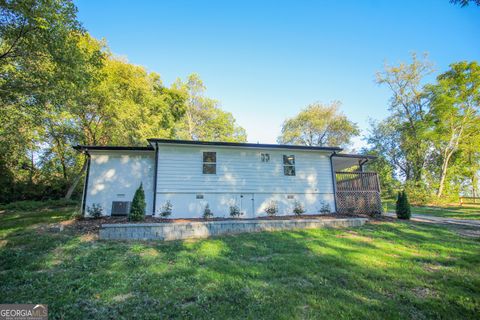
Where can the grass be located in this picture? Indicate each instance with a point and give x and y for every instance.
(467, 211)
(386, 270)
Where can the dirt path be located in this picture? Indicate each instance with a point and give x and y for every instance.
(468, 228)
(440, 220)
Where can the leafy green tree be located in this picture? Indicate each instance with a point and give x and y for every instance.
(122, 104)
(409, 107)
(455, 113)
(38, 50)
(137, 209)
(319, 125)
(204, 120)
(389, 184)
(39, 60)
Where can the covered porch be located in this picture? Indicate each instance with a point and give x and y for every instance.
(356, 190)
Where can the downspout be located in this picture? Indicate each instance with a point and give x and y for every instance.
(155, 180)
(334, 182)
(85, 187)
(361, 164)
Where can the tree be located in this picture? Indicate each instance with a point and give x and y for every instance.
(387, 176)
(409, 105)
(319, 125)
(203, 119)
(39, 61)
(464, 3)
(137, 209)
(455, 112)
(38, 49)
(385, 140)
(122, 104)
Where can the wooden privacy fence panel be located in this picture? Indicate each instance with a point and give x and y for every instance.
(358, 192)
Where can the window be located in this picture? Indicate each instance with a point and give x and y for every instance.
(209, 163)
(265, 157)
(289, 165)
(199, 196)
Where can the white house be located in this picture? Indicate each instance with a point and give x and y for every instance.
(192, 174)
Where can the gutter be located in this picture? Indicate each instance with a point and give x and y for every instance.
(334, 182)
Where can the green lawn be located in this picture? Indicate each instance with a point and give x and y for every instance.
(380, 271)
(469, 211)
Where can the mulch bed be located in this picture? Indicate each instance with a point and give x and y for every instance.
(150, 219)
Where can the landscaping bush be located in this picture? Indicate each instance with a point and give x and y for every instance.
(95, 211)
(272, 208)
(298, 208)
(137, 210)
(235, 211)
(403, 206)
(207, 213)
(324, 207)
(166, 209)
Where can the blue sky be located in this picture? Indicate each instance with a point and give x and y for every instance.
(266, 60)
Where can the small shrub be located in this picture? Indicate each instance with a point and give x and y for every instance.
(95, 211)
(402, 207)
(166, 209)
(235, 211)
(272, 208)
(77, 215)
(298, 208)
(324, 207)
(207, 212)
(137, 210)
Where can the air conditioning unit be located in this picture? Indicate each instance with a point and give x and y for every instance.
(120, 208)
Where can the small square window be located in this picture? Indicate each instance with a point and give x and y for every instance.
(265, 157)
(199, 196)
(289, 160)
(289, 165)
(209, 168)
(289, 170)
(210, 157)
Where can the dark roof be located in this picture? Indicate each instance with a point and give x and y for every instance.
(349, 155)
(84, 147)
(245, 145)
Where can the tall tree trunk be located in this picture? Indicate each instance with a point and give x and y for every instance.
(474, 184)
(443, 175)
(74, 184)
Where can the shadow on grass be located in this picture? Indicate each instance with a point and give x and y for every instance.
(376, 271)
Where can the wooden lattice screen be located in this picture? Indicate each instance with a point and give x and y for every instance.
(358, 192)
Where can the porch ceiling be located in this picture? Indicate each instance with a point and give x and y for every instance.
(344, 161)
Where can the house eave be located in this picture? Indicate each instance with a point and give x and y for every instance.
(241, 145)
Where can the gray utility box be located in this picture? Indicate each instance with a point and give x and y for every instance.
(120, 208)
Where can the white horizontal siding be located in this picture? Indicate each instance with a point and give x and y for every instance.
(186, 205)
(116, 175)
(241, 170)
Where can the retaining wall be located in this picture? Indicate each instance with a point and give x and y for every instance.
(188, 230)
